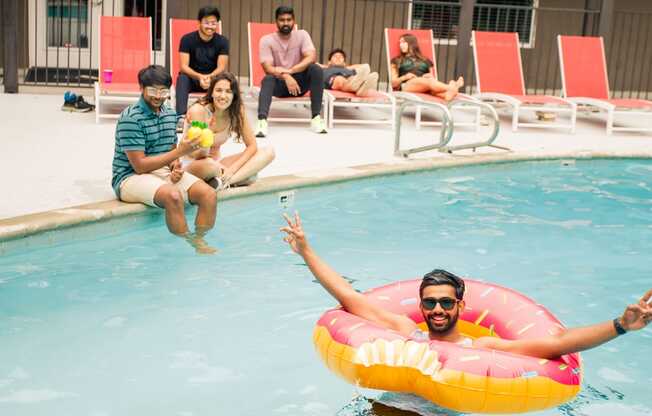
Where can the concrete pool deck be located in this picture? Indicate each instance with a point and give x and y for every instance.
(57, 165)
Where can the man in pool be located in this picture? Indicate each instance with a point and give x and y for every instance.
(441, 297)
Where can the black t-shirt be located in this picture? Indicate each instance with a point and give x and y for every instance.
(203, 55)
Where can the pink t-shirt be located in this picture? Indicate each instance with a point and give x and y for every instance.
(285, 52)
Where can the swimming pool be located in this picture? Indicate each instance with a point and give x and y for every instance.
(119, 318)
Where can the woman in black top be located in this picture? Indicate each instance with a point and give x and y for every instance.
(412, 72)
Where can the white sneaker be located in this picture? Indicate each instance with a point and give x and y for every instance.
(317, 125)
(261, 128)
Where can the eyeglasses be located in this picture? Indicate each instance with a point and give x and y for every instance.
(209, 24)
(155, 92)
(431, 303)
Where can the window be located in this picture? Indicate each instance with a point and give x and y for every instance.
(67, 23)
(443, 18)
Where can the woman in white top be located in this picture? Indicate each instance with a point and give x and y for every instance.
(223, 111)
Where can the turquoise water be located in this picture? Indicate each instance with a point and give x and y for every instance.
(120, 318)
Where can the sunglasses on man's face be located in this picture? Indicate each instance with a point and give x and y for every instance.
(155, 92)
(431, 303)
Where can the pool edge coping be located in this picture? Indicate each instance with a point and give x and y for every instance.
(26, 225)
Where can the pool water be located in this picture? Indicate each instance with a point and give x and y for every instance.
(120, 318)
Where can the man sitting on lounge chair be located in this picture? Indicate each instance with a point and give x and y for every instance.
(202, 55)
(288, 58)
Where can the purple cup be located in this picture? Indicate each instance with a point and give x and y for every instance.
(107, 76)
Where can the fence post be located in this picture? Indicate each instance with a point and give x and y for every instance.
(464, 38)
(606, 18)
(10, 32)
(589, 20)
(324, 9)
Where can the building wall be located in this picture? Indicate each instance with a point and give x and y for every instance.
(540, 57)
(357, 26)
(626, 52)
(629, 56)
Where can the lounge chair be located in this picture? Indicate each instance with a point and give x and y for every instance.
(499, 75)
(256, 73)
(585, 81)
(178, 28)
(481, 113)
(125, 48)
(373, 99)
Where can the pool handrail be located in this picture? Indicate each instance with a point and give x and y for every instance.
(445, 133)
(493, 118)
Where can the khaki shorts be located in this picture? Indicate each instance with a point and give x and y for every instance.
(142, 188)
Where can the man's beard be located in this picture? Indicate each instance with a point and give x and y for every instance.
(452, 321)
(285, 29)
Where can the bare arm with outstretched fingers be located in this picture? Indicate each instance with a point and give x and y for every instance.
(352, 301)
(636, 316)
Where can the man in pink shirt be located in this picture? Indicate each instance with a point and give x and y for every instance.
(288, 58)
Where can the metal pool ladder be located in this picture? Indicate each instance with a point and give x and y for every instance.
(464, 103)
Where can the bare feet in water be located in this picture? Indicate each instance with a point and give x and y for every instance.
(202, 247)
(197, 241)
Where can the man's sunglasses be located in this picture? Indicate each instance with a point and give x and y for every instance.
(431, 303)
(155, 92)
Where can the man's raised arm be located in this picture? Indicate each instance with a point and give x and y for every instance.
(635, 317)
(352, 301)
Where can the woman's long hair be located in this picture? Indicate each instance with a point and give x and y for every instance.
(235, 109)
(413, 50)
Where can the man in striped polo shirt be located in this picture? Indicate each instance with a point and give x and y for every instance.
(146, 164)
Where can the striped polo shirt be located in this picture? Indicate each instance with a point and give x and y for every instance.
(139, 128)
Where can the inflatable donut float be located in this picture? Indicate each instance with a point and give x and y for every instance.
(460, 378)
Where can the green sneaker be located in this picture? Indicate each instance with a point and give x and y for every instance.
(317, 125)
(261, 128)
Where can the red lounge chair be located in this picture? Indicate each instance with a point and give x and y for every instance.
(461, 103)
(424, 37)
(256, 73)
(585, 81)
(178, 28)
(373, 99)
(499, 76)
(125, 48)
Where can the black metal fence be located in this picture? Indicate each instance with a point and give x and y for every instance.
(62, 43)
(629, 55)
(63, 39)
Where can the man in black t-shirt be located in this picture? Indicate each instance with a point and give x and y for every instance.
(202, 55)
